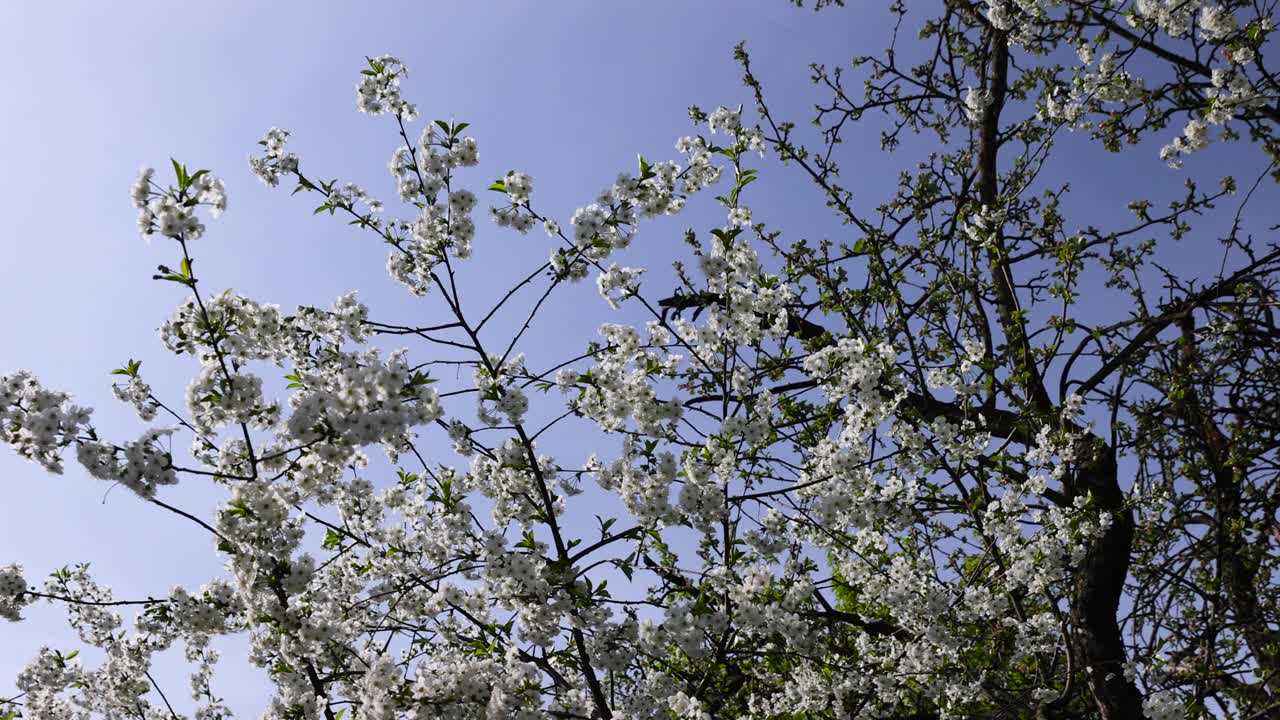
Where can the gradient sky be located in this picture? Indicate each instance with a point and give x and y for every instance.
(569, 92)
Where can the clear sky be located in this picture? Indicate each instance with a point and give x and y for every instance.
(569, 92)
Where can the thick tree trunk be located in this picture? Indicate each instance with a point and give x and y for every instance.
(1099, 582)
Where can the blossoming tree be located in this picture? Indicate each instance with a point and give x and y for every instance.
(892, 476)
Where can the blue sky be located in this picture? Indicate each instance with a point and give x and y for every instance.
(569, 92)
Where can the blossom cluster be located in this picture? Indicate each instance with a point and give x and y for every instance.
(1103, 77)
(274, 163)
(421, 176)
(13, 591)
(141, 465)
(364, 401)
(172, 213)
(379, 88)
(137, 393)
(37, 422)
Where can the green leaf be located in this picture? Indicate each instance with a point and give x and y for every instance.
(498, 186)
(181, 171)
(130, 368)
